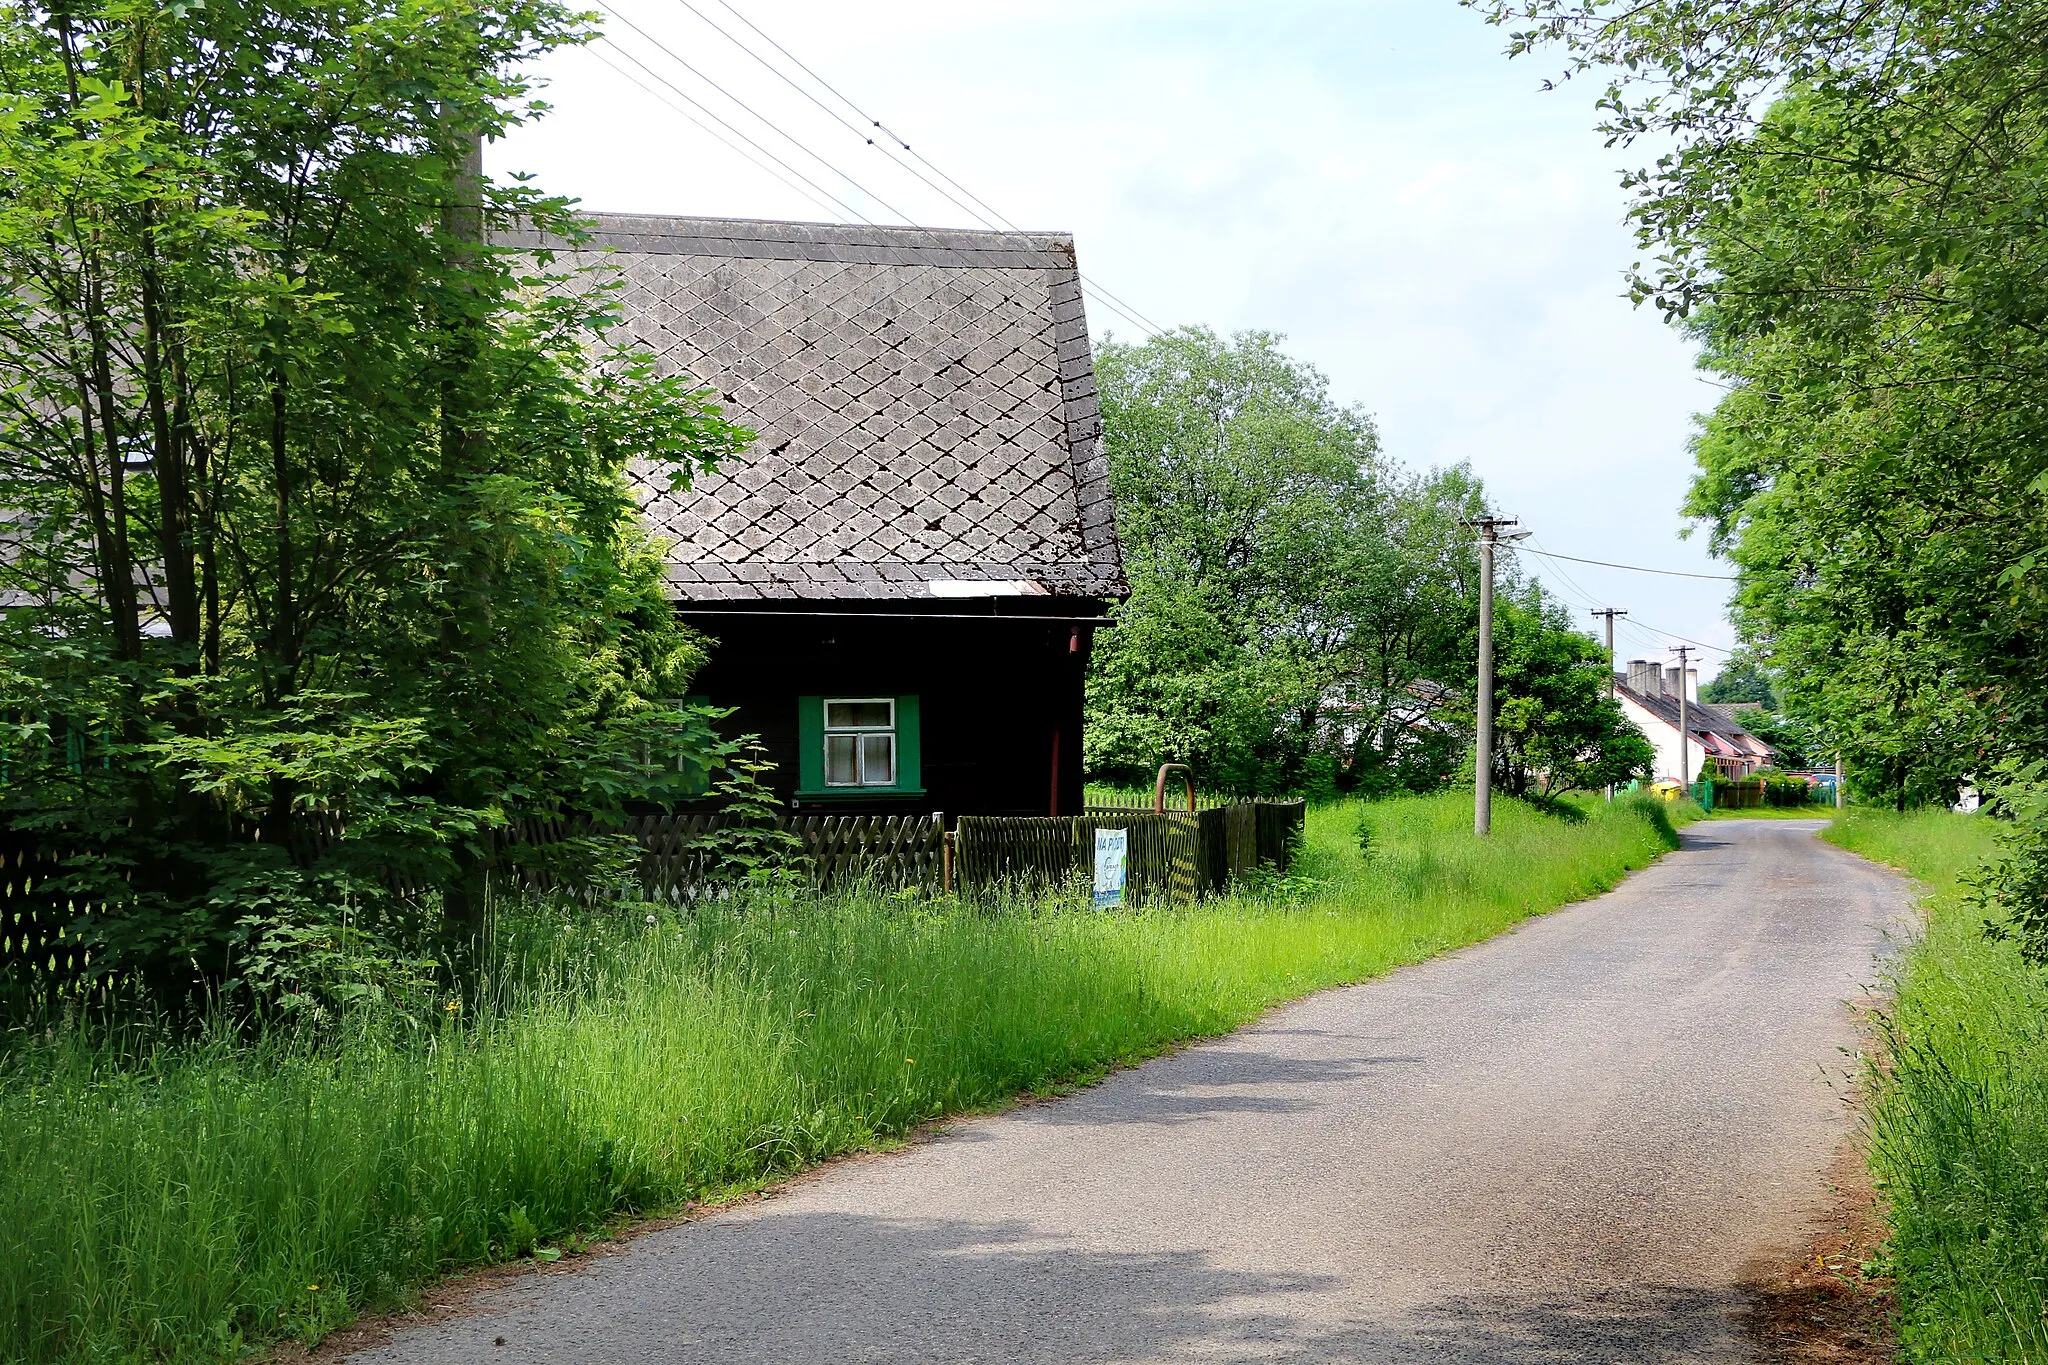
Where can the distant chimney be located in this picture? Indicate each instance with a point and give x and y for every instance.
(1692, 684)
(1644, 677)
(1673, 684)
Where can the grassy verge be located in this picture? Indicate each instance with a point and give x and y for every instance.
(1959, 1112)
(177, 1202)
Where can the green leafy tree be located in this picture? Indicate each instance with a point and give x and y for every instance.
(1845, 211)
(313, 500)
(1288, 587)
(1555, 727)
(1741, 679)
(1795, 740)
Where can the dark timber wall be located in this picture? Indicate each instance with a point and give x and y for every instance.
(999, 699)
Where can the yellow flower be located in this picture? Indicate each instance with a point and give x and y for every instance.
(314, 1288)
(452, 1006)
(911, 1060)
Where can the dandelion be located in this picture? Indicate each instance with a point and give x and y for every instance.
(313, 1288)
(452, 1006)
(911, 1061)
(650, 919)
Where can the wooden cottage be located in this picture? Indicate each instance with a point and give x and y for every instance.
(903, 575)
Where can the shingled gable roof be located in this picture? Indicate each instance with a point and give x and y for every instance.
(925, 403)
(1702, 718)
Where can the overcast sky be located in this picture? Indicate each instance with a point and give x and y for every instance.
(1371, 178)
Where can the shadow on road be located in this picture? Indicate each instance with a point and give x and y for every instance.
(788, 1289)
(1215, 1083)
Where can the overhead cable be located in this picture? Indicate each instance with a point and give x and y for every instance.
(844, 207)
(1643, 629)
(1637, 568)
(697, 104)
(825, 204)
(972, 204)
(756, 115)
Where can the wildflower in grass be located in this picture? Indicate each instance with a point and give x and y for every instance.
(452, 1006)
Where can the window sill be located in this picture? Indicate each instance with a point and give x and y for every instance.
(857, 793)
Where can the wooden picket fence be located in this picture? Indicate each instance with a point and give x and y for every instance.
(1029, 853)
(1175, 855)
(1178, 855)
(679, 850)
(1752, 793)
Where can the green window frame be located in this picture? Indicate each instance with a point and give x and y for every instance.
(812, 733)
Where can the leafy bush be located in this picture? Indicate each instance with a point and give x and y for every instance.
(364, 582)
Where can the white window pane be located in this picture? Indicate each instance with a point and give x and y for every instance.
(878, 760)
(842, 760)
(858, 715)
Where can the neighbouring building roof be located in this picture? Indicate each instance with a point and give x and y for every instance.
(925, 403)
(1714, 725)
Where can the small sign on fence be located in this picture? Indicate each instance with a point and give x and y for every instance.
(1112, 852)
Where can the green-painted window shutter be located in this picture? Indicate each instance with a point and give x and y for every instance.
(810, 744)
(909, 746)
(810, 741)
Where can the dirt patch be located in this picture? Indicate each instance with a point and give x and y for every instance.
(1829, 1305)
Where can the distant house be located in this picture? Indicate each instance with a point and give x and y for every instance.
(1715, 738)
(905, 572)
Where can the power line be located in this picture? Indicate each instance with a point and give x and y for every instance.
(1643, 629)
(973, 205)
(756, 115)
(1674, 635)
(1590, 599)
(1636, 568)
(687, 98)
(1107, 299)
(826, 204)
(827, 109)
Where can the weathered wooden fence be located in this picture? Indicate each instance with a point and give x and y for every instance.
(1178, 855)
(679, 851)
(1172, 855)
(1165, 859)
(1750, 793)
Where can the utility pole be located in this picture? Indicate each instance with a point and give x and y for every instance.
(1841, 791)
(1684, 725)
(1608, 614)
(1490, 529)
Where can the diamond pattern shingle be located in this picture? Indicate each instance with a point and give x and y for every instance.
(924, 404)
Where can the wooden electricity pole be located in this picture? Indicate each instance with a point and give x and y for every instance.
(1684, 725)
(1489, 529)
(1608, 614)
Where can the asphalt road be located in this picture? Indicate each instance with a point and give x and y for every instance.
(1565, 1144)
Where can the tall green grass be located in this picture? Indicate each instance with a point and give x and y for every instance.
(180, 1201)
(1959, 1110)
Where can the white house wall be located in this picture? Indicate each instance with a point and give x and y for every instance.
(1664, 736)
